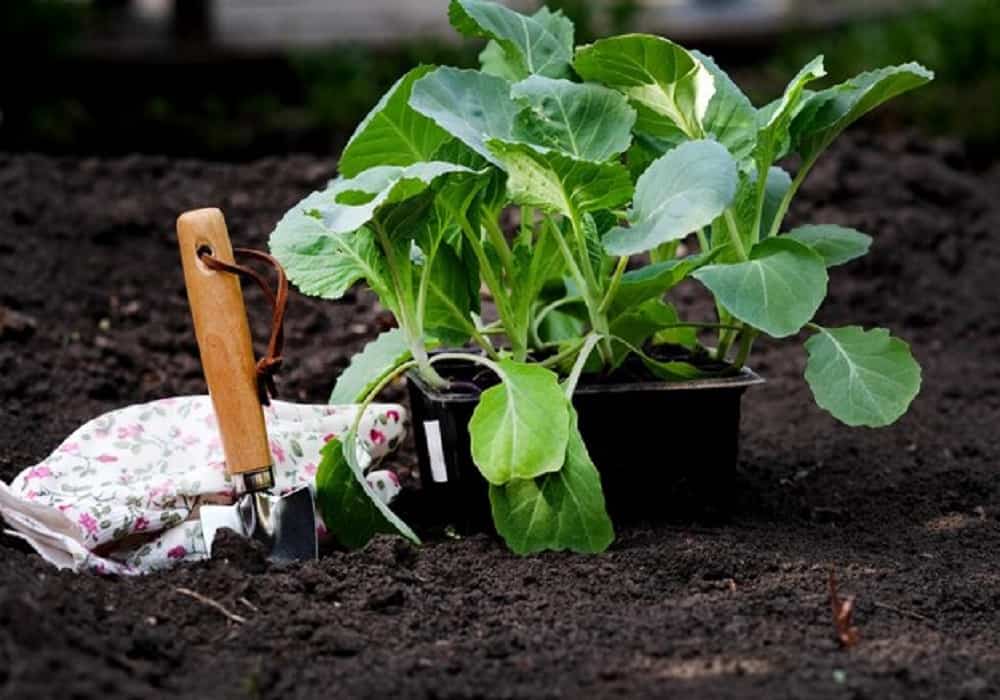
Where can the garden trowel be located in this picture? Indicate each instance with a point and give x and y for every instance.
(284, 524)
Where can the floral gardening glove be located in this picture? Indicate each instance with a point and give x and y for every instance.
(121, 494)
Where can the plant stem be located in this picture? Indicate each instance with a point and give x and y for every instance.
(527, 224)
(613, 286)
(726, 339)
(698, 324)
(546, 310)
(758, 212)
(574, 269)
(703, 241)
(598, 319)
(559, 357)
(786, 201)
(734, 235)
(581, 244)
(499, 242)
(484, 342)
(377, 389)
(746, 342)
(493, 366)
(574, 376)
(409, 319)
(722, 349)
(419, 351)
(496, 289)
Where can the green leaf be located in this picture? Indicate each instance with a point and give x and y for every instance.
(680, 192)
(655, 280)
(861, 377)
(645, 149)
(588, 122)
(835, 244)
(520, 427)
(393, 133)
(774, 119)
(349, 204)
(667, 370)
(828, 112)
(730, 117)
(559, 183)
(450, 300)
(376, 361)
(493, 60)
(745, 207)
(535, 265)
(777, 290)
(777, 186)
(560, 511)
(655, 74)
(565, 323)
(471, 106)
(644, 321)
(326, 264)
(541, 44)
(351, 510)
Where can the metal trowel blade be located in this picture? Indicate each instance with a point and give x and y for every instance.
(285, 524)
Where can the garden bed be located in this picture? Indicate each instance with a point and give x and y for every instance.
(907, 515)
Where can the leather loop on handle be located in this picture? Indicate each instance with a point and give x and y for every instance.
(223, 333)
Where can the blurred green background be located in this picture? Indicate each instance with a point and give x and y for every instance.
(119, 76)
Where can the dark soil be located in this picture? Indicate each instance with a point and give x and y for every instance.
(907, 516)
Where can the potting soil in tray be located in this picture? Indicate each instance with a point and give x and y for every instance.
(907, 516)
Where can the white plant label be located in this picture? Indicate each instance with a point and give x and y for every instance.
(435, 450)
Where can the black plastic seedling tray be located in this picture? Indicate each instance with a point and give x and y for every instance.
(661, 447)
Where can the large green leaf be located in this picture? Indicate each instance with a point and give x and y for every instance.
(539, 44)
(495, 60)
(828, 112)
(326, 264)
(861, 377)
(563, 510)
(520, 427)
(393, 133)
(351, 510)
(730, 117)
(836, 244)
(680, 192)
(370, 366)
(349, 204)
(559, 183)
(471, 106)
(775, 119)
(654, 73)
(777, 290)
(588, 122)
(654, 280)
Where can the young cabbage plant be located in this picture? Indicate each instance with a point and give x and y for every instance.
(540, 176)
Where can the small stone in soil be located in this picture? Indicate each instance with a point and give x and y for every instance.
(15, 325)
(339, 642)
(389, 601)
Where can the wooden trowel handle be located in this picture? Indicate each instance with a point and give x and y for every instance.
(223, 333)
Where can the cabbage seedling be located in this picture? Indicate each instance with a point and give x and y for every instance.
(597, 153)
